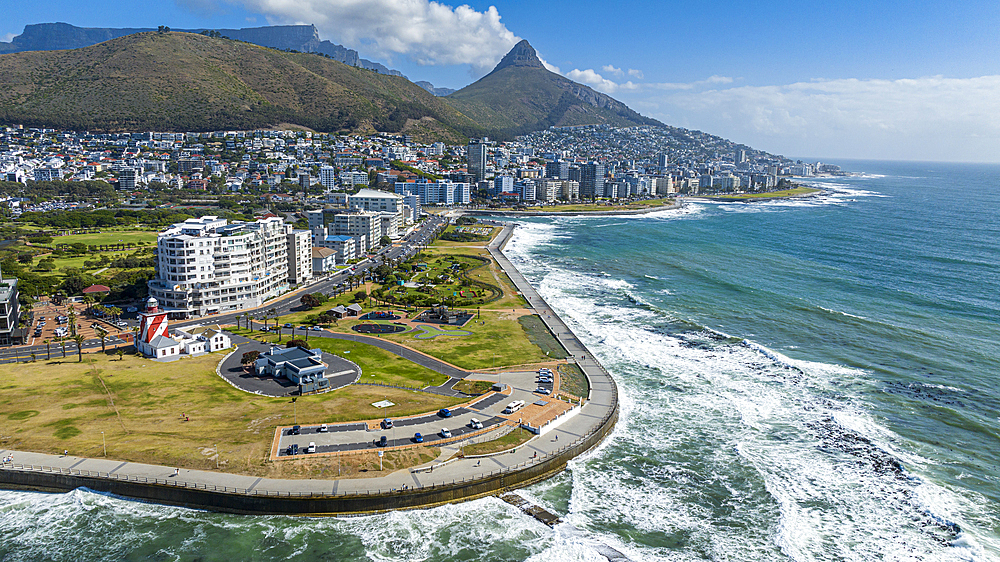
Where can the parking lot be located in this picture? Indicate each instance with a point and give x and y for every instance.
(488, 411)
(52, 322)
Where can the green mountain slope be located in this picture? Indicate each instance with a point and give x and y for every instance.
(521, 96)
(188, 82)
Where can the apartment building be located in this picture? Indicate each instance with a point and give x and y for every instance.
(207, 266)
(10, 310)
(299, 256)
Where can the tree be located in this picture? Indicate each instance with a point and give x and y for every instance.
(121, 354)
(250, 357)
(297, 343)
(48, 352)
(309, 301)
(360, 296)
(62, 342)
(79, 345)
(385, 241)
(103, 334)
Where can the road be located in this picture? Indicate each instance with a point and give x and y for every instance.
(407, 247)
(572, 429)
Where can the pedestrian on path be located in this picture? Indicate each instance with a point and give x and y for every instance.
(177, 471)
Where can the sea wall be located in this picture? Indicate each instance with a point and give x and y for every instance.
(235, 500)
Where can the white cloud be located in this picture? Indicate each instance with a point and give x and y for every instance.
(635, 73)
(711, 80)
(598, 82)
(610, 69)
(9, 37)
(931, 118)
(428, 32)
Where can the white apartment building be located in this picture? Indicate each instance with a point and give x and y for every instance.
(206, 266)
(299, 256)
(328, 177)
(364, 226)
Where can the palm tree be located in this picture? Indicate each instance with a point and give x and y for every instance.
(114, 311)
(79, 345)
(88, 300)
(62, 342)
(103, 334)
(48, 352)
(72, 319)
(121, 354)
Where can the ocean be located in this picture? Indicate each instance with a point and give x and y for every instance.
(807, 379)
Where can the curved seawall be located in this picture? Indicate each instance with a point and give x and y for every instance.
(458, 481)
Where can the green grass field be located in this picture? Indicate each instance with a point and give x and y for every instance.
(766, 195)
(49, 406)
(107, 238)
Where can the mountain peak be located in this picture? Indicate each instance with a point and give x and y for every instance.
(522, 55)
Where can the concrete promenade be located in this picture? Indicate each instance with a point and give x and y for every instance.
(436, 482)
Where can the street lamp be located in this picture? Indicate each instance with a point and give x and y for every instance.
(216, 456)
(104, 441)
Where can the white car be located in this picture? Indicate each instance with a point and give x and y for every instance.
(323, 428)
(312, 447)
(475, 424)
(542, 390)
(445, 433)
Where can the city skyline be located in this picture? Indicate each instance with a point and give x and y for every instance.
(897, 80)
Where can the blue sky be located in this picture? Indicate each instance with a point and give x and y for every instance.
(879, 79)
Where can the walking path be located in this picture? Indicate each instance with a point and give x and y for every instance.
(576, 430)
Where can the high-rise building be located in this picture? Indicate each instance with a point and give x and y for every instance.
(299, 256)
(207, 266)
(557, 169)
(328, 177)
(591, 180)
(10, 311)
(127, 178)
(477, 157)
(662, 160)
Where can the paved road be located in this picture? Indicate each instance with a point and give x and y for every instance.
(601, 404)
(407, 247)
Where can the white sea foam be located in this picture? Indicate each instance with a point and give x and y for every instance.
(749, 413)
(831, 311)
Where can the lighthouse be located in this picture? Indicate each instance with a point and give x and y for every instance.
(152, 329)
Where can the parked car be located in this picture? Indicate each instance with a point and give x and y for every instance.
(417, 438)
(542, 390)
(387, 423)
(131, 309)
(289, 326)
(444, 413)
(475, 424)
(445, 433)
(293, 449)
(382, 441)
(296, 429)
(323, 429)
(316, 329)
(311, 448)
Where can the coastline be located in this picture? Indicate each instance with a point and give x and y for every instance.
(460, 480)
(677, 204)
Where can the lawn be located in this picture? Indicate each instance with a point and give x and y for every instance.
(765, 195)
(497, 340)
(508, 441)
(377, 365)
(136, 404)
(539, 334)
(109, 237)
(490, 273)
(573, 381)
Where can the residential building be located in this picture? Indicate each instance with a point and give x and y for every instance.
(324, 260)
(557, 169)
(328, 177)
(299, 256)
(477, 157)
(207, 266)
(10, 311)
(591, 180)
(301, 366)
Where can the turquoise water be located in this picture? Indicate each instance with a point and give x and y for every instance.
(801, 380)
